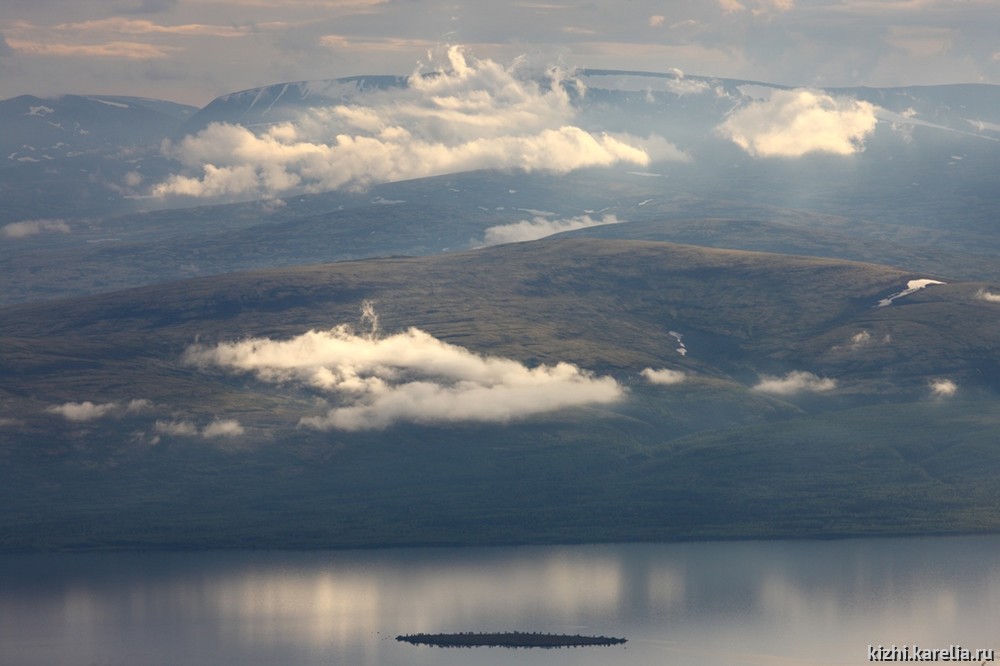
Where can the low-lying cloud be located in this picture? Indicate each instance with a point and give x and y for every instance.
(476, 114)
(988, 296)
(943, 388)
(216, 429)
(176, 428)
(797, 381)
(540, 227)
(222, 428)
(664, 376)
(34, 227)
(375, 382)
(793, 123)
(89, 411)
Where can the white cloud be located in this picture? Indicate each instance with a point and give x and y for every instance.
(215, 429)
(540, 227)
(861, 339)
(34, 227)
(411, 376)
(139, 405)
(127, 26)
(757, 7)
(794, 382)
(176, 428)
(793, 123)
(476, 114)
(116, 49)
(89, 411)
(988, 296)
(85, 411)
(663, 376)
(222, 428)
(943, 388)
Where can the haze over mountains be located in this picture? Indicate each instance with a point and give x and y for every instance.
(565, 306)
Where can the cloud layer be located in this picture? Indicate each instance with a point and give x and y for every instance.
(988, 296)
(793, 383)
(475, 114)
(89, 411)
(793, 123)
(407, 377)
(33, 228)
(214, 430)
(943, 388)
(540, 227)
(664, 376)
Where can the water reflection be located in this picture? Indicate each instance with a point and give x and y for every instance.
(734, 603)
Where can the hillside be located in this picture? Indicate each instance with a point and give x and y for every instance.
(199, 413)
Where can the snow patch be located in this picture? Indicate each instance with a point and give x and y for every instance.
(911, 287)
(898, 121)
(645, 83)
(982, 125)
(107, 102)
(679, 337)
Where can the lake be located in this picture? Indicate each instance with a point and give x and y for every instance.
(719, 603)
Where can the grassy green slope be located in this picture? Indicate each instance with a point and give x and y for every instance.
(706, 458)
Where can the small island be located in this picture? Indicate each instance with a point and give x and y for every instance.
(509, 639)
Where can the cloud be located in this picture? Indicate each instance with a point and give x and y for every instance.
(89, 411)
(860, 339)
(149, 7)
(144, 27)
(222, 428)
(540, 227)
(943, 388)
(988, 296)
(6, 49)
(663, 376)
(33, 228)
(793, 123)
(475, 114)
(215, 429)
(115, 49)
(411, 376)
(794, 382)
(83, 411)
(176, 428)
(756, 7)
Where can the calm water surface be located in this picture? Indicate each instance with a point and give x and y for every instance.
(761, 603)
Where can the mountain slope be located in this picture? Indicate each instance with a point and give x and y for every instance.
(171, 452)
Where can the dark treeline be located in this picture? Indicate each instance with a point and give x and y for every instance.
(512, 639)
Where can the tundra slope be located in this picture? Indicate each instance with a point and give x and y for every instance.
(867, 446)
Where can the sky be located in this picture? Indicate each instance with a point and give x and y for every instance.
(192, 51)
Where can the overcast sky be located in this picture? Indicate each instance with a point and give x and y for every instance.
(194, 50)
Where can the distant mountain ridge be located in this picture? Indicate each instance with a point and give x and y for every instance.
(101, 154)
(34, 129)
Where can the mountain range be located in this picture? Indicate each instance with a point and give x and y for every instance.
(782, 321)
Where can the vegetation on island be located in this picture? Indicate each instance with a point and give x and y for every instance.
(509, 639)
